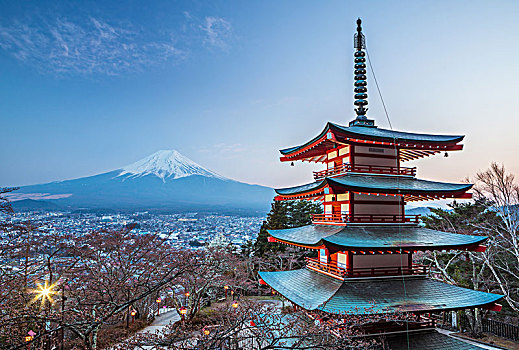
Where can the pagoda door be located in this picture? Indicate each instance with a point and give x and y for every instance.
(336, 209)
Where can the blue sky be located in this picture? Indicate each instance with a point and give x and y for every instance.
(88, 87)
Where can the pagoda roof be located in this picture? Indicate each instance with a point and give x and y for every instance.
(375, 237)
(316, 291)
(428, 340)
(333, 133)
(378, 184)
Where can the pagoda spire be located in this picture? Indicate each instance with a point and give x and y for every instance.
(361, 89)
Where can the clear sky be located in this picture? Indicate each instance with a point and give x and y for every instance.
(88, 87)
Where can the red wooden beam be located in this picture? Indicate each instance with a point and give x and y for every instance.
(479, 248)
(493, 307)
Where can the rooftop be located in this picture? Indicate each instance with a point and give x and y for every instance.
(428, 340)
(315, 291)
(376, 237)
(333, 133)
(378, 184)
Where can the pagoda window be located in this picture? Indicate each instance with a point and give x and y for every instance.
(329, 198)
(345, 208)
(328, 209)
(342, 260)
(344, 150)
(343, 197)
(332, 155)
(323, 255)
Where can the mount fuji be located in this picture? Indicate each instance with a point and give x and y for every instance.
(164, 181)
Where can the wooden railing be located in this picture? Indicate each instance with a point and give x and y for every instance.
(363, 218)
(371, 169)
(330, 268)
(329, 218)
(380, 218)
(323, 267)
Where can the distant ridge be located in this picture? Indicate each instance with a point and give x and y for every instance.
(26, 204)
(423, 211)
(165, 180)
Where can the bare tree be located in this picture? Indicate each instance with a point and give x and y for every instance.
(502, 255)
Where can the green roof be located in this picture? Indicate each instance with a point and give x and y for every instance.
(378, 134)
(386, 236)
(428, 340)
(381, 184)
(390, 135)
(315, 291)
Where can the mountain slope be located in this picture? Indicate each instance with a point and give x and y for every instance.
(166, 165)
(165, 180)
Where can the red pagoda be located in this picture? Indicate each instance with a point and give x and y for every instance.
(364, 239)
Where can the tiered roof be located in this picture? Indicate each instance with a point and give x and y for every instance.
(381, 184)
(413, 145)
(316, 291)
(428, 340)
(376, 237)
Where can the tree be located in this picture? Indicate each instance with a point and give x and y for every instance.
(502, 257)
(215, 268)
(495, 214)
(463, 268)
(259, 326)
(284, 214)
(93, 282)
(5, 204)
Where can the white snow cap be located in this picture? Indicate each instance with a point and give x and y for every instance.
(166, 164)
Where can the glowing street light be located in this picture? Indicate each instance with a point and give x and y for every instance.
(186, 294)
(133, 313)
(28, 338)
(235, 305)
(183, 312)
(206, 331)
(44, 292)
(226, 288)
(158, 306)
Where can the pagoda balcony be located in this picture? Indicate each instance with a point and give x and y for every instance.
(336, 219)
(342, 273)
(369, 169)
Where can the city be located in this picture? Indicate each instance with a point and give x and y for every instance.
(183, 231)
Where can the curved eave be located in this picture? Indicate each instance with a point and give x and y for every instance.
(414, 295)
(316, 291)
(359, 134)
(395, 185)
(378, 184)
(375, 237)
(291, 150)
(379, 134)
(306, 236)
(310, 188)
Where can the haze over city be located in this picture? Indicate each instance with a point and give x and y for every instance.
(88, 87)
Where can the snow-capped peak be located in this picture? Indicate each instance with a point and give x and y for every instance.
(166, 164)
